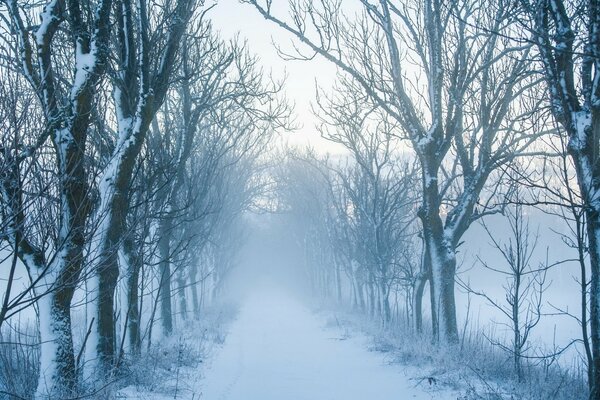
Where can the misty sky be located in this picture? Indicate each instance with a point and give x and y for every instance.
(231, 17)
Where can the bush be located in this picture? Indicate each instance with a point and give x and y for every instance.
(475, 367)
(171, 367)
(19, 355)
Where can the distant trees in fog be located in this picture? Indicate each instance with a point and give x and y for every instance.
(466, 106)
(469, 90)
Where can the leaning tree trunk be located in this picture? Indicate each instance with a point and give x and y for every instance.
(114, 207)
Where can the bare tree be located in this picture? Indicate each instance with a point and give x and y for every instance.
(566, 35)
(380, 186)
(471, 91)
(144, 67)
(553, 189)
(219, 82)
(66, 100)
(524, 285)
(353, 215)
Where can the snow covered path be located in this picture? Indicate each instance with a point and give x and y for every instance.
(277, 349)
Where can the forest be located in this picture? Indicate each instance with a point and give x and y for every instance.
(425, 176)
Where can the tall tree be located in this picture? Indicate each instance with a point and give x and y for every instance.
(147, 42)
(219, 83)
(67, 30)
(567, 35)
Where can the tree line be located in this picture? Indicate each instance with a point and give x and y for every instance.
(131, 136)
(450, 111)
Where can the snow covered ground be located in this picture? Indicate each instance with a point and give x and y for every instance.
(278, 349)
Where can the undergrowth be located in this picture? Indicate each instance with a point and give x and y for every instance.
(19, 355)
(475, 367)
(169, 369)
(172, 368)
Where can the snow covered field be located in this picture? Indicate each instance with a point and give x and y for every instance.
(277, 349)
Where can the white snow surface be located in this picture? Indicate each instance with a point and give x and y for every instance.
(278, 349)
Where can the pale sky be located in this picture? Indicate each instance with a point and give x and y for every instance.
(231, 17)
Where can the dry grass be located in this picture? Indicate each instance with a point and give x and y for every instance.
(19, 355)
(476, 367)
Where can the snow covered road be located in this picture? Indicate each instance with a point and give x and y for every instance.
(278, 350)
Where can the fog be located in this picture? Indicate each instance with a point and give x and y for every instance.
(269, 260)
(304, 200)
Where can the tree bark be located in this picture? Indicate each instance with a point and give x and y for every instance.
(57, 360)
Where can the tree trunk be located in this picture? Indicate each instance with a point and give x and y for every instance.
(361, 295)
(443, 269)
(338, 282)
(439, 246)
(418, 301)
(57, 361)
(422, 277)
(516, 301)
(194, 288)
(371, 291)
(353, 294)
(166, 312)
(593, 228)
(181, 293)
(385, 303)
(108, 275)
(114, 193)
(133, 275)
(583, 149)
